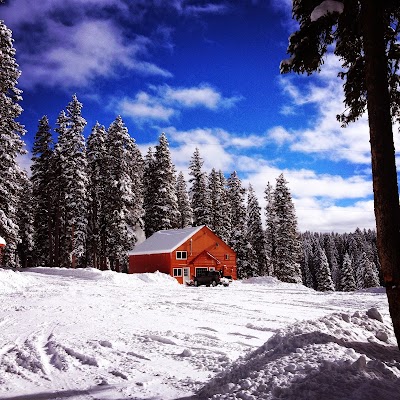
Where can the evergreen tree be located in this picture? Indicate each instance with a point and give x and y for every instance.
(11, 145)
(306, 261)
(270, 247)
(332, 257)
(97, 176)
(366, 273)
(199, 192)
(323, 274)
(149, 193)
(219, 211)
(70, 156)
(347, 282)
(57, 185)
(237, 238)
(287, 245)
(255, 233)
(186, 213)
(165, 207)
(42, 195)
(25, 222)
(123, 202)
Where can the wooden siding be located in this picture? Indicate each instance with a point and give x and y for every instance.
(150, 263)
(204, 250)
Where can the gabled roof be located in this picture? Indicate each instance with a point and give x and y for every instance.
(206, 253)
(165, 241)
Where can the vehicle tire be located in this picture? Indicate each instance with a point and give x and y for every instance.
(196, 283)
(213, 283)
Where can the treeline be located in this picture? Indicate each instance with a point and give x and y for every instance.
(86, 201)
(344, 262)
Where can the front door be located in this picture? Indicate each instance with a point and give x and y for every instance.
(186, 275)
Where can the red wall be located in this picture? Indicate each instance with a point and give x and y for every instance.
(150, 263)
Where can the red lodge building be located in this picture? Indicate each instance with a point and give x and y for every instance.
(183, 254)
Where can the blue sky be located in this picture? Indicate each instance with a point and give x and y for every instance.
(207, 74)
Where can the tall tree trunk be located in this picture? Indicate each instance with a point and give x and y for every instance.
(384, 175)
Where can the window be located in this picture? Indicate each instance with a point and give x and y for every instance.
(181, 255)
(226, 256)
(186, 272)
(177, 271)
(201, 271)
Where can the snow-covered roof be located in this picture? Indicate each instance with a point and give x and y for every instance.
(165, 241)
(2, 241)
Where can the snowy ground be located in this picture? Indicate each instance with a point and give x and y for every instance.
(86, 334)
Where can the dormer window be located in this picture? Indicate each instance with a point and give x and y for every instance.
(181, 255)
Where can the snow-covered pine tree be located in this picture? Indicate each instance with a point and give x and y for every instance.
(97, 175)
(255, 233)
(322, 271)
(287, 244)
(184, 206)
(220, 222)
(366, 273)
(60, 254)
(199, 192)
(332, 256)
(136, 171)
(347, 282)
(237, 240)
(123, 202)
(165, 207)
(42, 195)
(71, 156)
(270, 249)
(11, 145)
(25, 222)
(149, 193)
(306, 260)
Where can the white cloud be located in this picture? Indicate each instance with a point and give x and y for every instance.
(75, 53)
(195, 96)
(210, 142)
(279, 135)
(324, 136)
(318, 197)
(210, 8)
(316, 216)
(25, 162)
(145, 107)
(165, 102)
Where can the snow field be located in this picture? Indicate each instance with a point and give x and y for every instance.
(88, 334)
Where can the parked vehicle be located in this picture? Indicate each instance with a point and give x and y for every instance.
(210, 278)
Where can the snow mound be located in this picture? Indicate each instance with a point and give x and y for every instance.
(108, 276)
(335, 357)
(274, 282)
(12, 282)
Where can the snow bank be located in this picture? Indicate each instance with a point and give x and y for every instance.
(109, 276)
(335, 357)
(273, 282)
(12, 282)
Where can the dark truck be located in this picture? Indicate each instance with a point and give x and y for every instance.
(210, 278)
